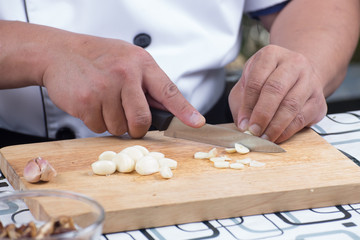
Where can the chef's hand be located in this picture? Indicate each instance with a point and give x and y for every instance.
(278, 94)
(109, 84)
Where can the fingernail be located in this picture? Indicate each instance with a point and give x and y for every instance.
(197, 119)
(255, 129)
(244, 124)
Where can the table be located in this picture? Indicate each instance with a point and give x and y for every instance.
(342, 130)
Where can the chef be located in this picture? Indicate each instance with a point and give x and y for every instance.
(74, 69)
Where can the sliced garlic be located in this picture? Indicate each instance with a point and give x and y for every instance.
(255, 163)
(220, 159)
(133, 152)
(248, 132)
(124, 163)
(167, 162)
(222, 164)
(241, 148)
(157, 155)
(147, 165)
(166, 172)
(201, 155)
(230, 150)
(237, 166)
(107, 155)
(245, 161)
(103, 167)
(143, 149)
(213, 153)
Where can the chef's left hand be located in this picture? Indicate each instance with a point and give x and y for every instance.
(278, 94)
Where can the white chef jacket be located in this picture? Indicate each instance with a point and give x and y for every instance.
(191, 40)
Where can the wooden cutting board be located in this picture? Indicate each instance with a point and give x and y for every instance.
(312, 173)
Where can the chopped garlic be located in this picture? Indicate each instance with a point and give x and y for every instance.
(241, 148)
(237, 165)
(201, 155)
(230, 150)
(220, 159)
(222, 164)
(255, 163)
(245, 161)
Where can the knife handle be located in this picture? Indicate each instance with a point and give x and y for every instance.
(160, 119)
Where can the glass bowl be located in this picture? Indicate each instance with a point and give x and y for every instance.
(43, 206)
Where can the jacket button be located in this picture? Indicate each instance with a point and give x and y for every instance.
(65, 133)
(142, 40)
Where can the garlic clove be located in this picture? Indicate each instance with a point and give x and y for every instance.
(133, 152)
(166, 172)
(143, 149)
(124, 163)
(32, 171)
(104, 167)
(107, 155)
(157, 155)
(147, 165)
(167, 162)
(39, 169)
(47, 172)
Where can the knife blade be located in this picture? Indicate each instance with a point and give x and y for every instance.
(210, 134)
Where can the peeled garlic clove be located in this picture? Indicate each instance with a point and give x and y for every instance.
(104, 167)
(241, 148)
(47, 172)
(124, 163)
(107, 155)
(167, 162)
(133, 152)
(147, 165)
(32, 172)
(143, 149)
(166, 172)
(157, 155)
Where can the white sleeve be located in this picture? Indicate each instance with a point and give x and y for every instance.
(255, 5)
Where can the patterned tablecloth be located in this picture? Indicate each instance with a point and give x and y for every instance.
(337, 222)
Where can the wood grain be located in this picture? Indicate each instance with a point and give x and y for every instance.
(312, 173)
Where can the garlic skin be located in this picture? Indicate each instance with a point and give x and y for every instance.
(39, 169)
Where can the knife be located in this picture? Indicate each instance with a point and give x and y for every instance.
(211, 134)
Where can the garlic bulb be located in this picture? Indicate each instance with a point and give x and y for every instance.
(38, 169)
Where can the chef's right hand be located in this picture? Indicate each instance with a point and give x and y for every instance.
(109, 85)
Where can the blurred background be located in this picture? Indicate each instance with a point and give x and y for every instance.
(254, 37)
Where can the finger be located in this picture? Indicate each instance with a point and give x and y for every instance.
(272, 94)
(255, 74)
(136, 109)
(92, 117)
(289, 109)
(165, 92)
(114, 116)
(314, 110)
